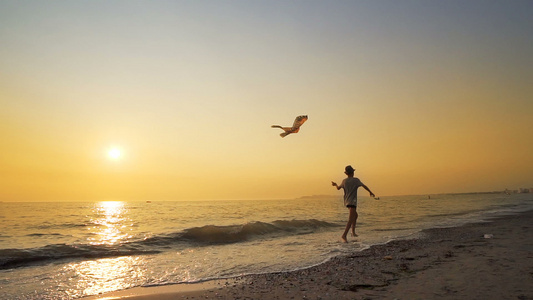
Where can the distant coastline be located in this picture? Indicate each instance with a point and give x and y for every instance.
(317, 197)
(506, 191)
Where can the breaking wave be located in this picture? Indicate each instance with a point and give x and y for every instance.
(195, 237)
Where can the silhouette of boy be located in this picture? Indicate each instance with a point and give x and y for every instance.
(350, 185)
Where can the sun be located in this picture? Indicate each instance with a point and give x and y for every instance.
(114, 153)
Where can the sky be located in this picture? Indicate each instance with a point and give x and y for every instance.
(420, 97)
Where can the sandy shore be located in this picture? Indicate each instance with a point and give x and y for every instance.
(447, 263)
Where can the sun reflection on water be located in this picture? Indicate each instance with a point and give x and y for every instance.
(107, 274)
(111, 227)
(111, 223)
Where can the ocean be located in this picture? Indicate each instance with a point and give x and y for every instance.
(59, 250)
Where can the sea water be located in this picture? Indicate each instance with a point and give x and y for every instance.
(72, 250)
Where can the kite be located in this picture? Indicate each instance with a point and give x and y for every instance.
(299, 121)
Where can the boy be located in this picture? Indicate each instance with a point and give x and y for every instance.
(350, 185)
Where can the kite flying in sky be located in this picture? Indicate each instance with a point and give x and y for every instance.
(299, 121)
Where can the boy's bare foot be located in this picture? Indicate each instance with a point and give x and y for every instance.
(344, 239)
(354, 234)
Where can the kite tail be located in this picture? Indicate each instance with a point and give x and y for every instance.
(276, 126)
(284, 134)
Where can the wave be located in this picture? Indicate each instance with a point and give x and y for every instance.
(10, 258)
(38, 234)
(196, 236)
(239, 233)
(217, 235)
(48, 226)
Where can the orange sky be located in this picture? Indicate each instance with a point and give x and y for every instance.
(419, 96)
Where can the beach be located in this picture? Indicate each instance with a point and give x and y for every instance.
(486, 260)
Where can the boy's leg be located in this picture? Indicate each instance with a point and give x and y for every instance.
(351, 220)
(355, 215)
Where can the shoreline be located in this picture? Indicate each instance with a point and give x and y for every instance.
(443, 263)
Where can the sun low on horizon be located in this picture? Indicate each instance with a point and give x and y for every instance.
(114, 153)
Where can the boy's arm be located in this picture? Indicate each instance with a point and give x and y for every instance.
(366, 188)
(338, 186)
(335, 185)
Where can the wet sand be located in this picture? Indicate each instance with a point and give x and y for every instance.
(491, 260)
